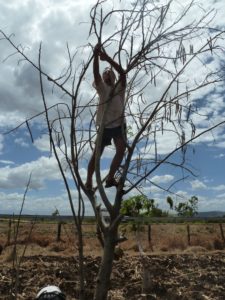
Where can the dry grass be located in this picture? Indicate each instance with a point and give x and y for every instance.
(164, 238)
(50, 261)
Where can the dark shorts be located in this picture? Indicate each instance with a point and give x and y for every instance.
(112, 133)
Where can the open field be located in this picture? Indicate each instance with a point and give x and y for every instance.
(175, 266)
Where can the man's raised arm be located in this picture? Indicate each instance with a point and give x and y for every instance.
(105, 57)
(97, 76)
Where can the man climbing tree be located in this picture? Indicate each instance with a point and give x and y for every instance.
(110, 114)
(166, 51)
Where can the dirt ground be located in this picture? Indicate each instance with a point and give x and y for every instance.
(183, 276)
(170, 269)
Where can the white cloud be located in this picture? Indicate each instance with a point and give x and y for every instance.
(17, 177)
(1, 143)
(7, 162)
(197, 184)
(21, 142)
(42, 143)
(10, 120)
(162, 179)
(219, 188)
(222, 196)
(220, 144)
(209, 204)
(34, 204)
(221, 155)
(182, 195)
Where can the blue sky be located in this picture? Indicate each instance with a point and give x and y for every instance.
(55, 23)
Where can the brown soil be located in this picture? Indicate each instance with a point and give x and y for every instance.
(171, 276)
(170, 268)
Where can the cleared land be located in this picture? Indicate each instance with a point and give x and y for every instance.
(174, 266)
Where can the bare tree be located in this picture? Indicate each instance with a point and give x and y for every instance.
(17, 258)
(156, 45)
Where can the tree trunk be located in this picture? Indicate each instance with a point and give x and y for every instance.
(9, 232)
(59, 227)
(188, 235)
(103, 279)
(222, 233)
(81, 265)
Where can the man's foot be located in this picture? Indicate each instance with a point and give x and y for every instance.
(111, 182)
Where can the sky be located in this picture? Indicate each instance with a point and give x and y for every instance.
(57, 24)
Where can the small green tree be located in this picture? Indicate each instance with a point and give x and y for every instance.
(187, 209)
(140, 205)
(55, 213)
(170, 202)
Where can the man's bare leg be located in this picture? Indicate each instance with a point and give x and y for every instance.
(91, 170)
(120, 150)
